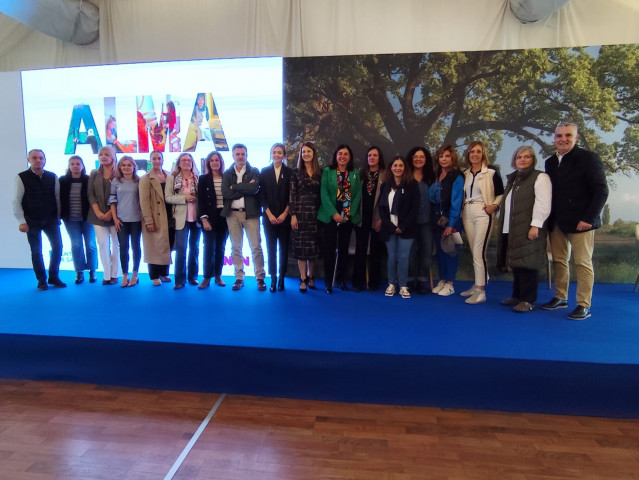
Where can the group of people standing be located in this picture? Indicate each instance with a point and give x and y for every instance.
(415, 210)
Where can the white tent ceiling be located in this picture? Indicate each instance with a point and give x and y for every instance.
(75, 21)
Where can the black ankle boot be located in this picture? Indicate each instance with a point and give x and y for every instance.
(79, 278)
(273, 284)
(92, 278)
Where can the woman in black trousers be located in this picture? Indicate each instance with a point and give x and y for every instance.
(214, 228)
(275, 187)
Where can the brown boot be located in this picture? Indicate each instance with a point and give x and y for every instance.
(204, 284)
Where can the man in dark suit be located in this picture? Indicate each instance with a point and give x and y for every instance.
(579, 192)
(275, 186)
(36, 206)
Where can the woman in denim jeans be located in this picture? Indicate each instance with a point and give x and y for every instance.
(421, 255)
(398, 207)
(74, 208)
(127, 217)
(181, 192)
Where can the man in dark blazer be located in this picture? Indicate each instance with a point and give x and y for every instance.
(275, 187)
(579, 192)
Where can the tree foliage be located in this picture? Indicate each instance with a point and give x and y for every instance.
(399, 101)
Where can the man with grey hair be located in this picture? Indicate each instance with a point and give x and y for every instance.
(36, 206)
(579, 192)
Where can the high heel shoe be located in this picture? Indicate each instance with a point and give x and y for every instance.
(311, 283)
(134, 280)
(303, 285)
(273, 284)
(280, 284)
(125, 280)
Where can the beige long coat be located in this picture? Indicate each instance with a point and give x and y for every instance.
(157, 250)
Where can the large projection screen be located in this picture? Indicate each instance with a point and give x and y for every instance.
(194, 106)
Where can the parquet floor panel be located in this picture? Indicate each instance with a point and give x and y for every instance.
(66, 431)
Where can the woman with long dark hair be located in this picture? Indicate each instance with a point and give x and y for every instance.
(369, 247)
(74, 209)
(303, 206)
(341, 195)
(398, 207)
(421, 254)
(214, 228)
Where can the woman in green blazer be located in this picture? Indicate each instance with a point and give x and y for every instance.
(341, 196)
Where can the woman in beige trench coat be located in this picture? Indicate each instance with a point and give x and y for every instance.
(155, 225)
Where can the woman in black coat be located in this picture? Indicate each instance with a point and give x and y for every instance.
(275, 187)
(398, 206)
(214, 228)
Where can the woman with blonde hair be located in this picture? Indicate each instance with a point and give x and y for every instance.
(275, 186)
(181, 192)
(127, 217)
(483, 190)
(99, 191)
(155, 223)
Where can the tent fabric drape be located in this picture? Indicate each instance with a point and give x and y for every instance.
(151, 30)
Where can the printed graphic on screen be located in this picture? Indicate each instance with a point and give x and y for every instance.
(172, 107)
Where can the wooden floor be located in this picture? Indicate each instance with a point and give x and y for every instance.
(61, 431)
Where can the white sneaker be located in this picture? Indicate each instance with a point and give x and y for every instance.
(439, 286)
(446, 290)
(478, 297)
(404, 292)
(390, 290)
(470, 292)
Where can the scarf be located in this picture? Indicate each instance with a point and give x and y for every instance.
(178, 184)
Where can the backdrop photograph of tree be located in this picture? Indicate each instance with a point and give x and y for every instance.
(505, 98)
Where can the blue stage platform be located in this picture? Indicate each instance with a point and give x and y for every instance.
(347, 346)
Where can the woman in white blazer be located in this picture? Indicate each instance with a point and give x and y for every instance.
(483, 189)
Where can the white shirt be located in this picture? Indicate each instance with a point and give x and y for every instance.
(18, 212)
(541, 207)
(393, 218)
(239, 203)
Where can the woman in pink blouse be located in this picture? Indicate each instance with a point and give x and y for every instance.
(181, 192)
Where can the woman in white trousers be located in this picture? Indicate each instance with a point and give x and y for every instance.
(483, 189)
